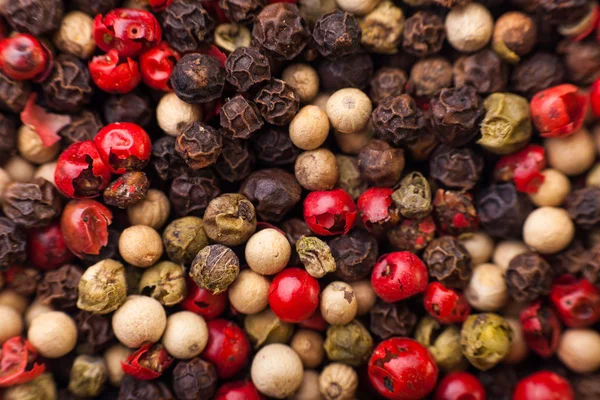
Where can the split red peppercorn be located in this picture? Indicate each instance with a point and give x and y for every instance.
(44, 123)
(376, 207)
(159, 5)
(228, 347)
(330, 212)
(84, 225)
(559, 110)
(148, 362)
(18, 362)
(577, 301)
(123, 146)
(156, 66)
(459, 386)
(445, 305)
(23, 57)
(204, 302)
(81, 172)
(114, 77)
(399, 275)
(543, 385)
(402, 369)
(595, 97)
(524, 168)
(128, 31)
(541, 329)
(294, 295)
(47, 248)
(238, 390)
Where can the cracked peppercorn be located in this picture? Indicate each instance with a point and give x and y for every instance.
(484, 70)
(33, 16)
(240, 117)
(380, 164)
(503, 210)
(423, 34)
(337, 34)
(280, 30)
(355, 71)
(537, 72)
(31, 204)
(277, 101)
(127, 190)
(528, 277)
(236, 161)
(395, 319)
(387, 82)
(429, 75)
(199, 145)
(186, 25)
(456, 115)
(583, 206)
(448, 261)
(246, 67)
(191, 192)
(194, 378)
(355, 255)
(398, 120)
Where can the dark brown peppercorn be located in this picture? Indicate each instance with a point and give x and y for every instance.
(337, 34)
(582, 60)
(561, 11)
(591, 268)
(354, 71)
(294, 229)
(31, 204)
(423, 145)
(412, 235)
(380, 164)
(499, 382)
(236, 161)
(456, 168)
(273, 146)
(454, 212)
(280, 30)
(387, 82)
(278, 102)
(395, 319)
(58, 288)
(199, 145)
(194, 379)
(134, 389)
(273, 191)
(572, 260)
(502, 210)
(8, 137)
(242, 11)
(36, 17)
(24, 280)
(355, 255)
(166, 162)
(536, 73)
(130, 107)
(246, 67)
(93, 8)
(429, 75)
(583, 206)
(94, 332)
(448, 262)
(587, 387)
(191, 192)
(240, 117)
(456, 115)
(127, 190)
(83, 126)
(198, 78)
(398, 120)
(423, 34)
(484, 70)
(68, 88)
(13, 242)
(13, 94)
(528, 277)
(186, 25)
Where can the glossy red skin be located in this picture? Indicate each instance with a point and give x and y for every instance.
(17, 362)
(72, 162)
(148, 362)
(523, 168)
(398, 276)
(159, 5)
(324, 208)
(577, 301)
(540, 337)
(315, 322)
(156, 66)
(122, 141)
(228, 347)
(294, 295)
(373, 206)
(44, 123)
(593, 23)
(402, 369)
(445, 305)
(113, 76)
(238, 390)
(559, 111)
(128, 31)
(203, 302)
(84, 225)
(543, 385)
(23, 57)
(47, 248)
(595, 97)
(459, 386)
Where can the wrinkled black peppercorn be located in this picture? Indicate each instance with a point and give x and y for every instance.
(395, 319)
(13, 94)
(398, 120)
(134, 389)
(499, 382)
(337, 34)
(36, 17)
(82, 127)
(127, 190)
(130, 107)
(240, 117)
(236, 160)
(429, 75)
(380, 164)
(246, 67)
(423, 34)
(587, 387)
(166, 162)
(199, 145)
(13, 242)
(242, 11)
(31, 204)
(528, 277)
(278, 102)
(280, 30)
(536, 73)
(456, 168)
(273, 146)
(448, 261)
(502, 210)
(484, 70)
(58, 288)
(354, 70)
(581, 60)
(186, 25)
(355, 255)
(198, 78)
(583, 206)
(387, 82)
(456, 115)
(194, 379)
(8, 137)
(191, 192)
(68, 88)
(94, 332)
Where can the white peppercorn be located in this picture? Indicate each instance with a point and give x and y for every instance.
(309, 128)
(365, 296)
(579, 350)
(303, 79)
(553, 191)
(548, 230)
(277, 371)
(153, 211)
(186, 335)
(470, 27)
(309, 346)
(140, 246)
(317, 170)
(140, 319)
(571, 155)
(349, 110)
(268, 252)
(32, 148)
(479, 245)
(487, 288)
(249, 293)
(173, 114)
(338, 303)
(113, 357)
(53, 334)
(74, 35)
(12, 323)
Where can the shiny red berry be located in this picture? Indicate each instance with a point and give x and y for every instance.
(156, 66)
(559, 110)
(399, 275)
(459, 386)
(123, 146)
(84, 225)
(203, 302)
(446, 305)
(577, 301)
(23, 57)
(294, 295)
(402, 369)
(330, 212)
(238, 390)
(47, 248)
(113, 76)
(315, 322)
(541, 329)
(524, 168)
(80, 171)
(128, 31)
(147, 363)
(159, 5)
(543, 385)
(595, 97)
(228, 347)
(376, 208)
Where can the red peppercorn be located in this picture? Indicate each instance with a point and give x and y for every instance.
(523, 168)
(330, 212)
(294, 295)
(576, 301)
(399, 275)
(114, 77)
(559, 110)
(80, 172)
(228, 347)
(123, 146)
(18, 362)
(44, 123)
(128, 31)
(377, 208)
(595, 97)
(541, 329)
(402, 369)
(148, 362)
(47, 248)
(156, 66)
(23, 57)
(459, 386)
(84, 225)
(238, 390)
(543, 385)
(159, 5)
(315, 322)
(445, 305)
(203, 302)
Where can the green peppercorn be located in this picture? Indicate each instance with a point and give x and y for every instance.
(39, 388)
(230, 219)
(164, 282)
(443, 342)
(351, 343)
(413, 197)
(88, 376)
(485, 340)
(350, 179)
(103, 287)
(507, 124)
(316, 256)
(215, 268)
(184, 238)
(266, 328)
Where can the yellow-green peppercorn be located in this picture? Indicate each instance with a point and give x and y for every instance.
(350, 179)
(165, 282)
(351, 343)
(40, 388)
(103, 287)
(266, 328)
(88, 376)
(485, 340)
(382, 28)
(316, 256)
(413, 197)
(230, 219)
(443, 342)
(184, 238)
(507, 124)
(215, 268)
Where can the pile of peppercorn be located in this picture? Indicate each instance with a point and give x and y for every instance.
(311, 199)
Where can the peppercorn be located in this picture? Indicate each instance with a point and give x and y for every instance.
(456, 168)
(348, 110)
(423, 34)
(338, 382)
(571, 155)
(502, 210)
(583, 206)
(214, 268)
(12, 323)
(448, 261)
(515, 35)
(355, 254)
(13, 242)
(380, 164)
(13, 94)
(88, 376)
(274, 147)
(350, 179)
(316, 256)
(548, 229)
(443, 342)
(152, 211)
(194, 379)
(487, 290)
(337, 34)
(230, 219)
(23, 280)
(586, 386)
(127, 190)
(33, 16)
(528, 277)
(317, 170)
(354, 71)
(351, 344)
(276, 370)
(246, 67)
(456, 115)
(82, 127)
(53, 334)
(265, 328)
(580, 60)
(184, 238)
(94, 332)
(309, 346)
(280, 30)
(578, 350)
(135, 389)
(130, 107)
(249, 293)
(75, 35)
(166, 162)
(199, 145)
(102, 287)
(454, 212)
(140, 319)
(387, 82)
(198, 78)
(485, 340)
(192, 191)
(58, 288)
(68, 87)
(40, 387)
(186, 25)
(232, 36)
(429, 75)
(236, 161)
(277, 101)
(8, 136)
(95, 8)
(398, 120)
(309, 128)
(537, 72)
(470, 27)
(483, 70)
(240, 117)
(164, 282)
(31, 147)
(389, 320)
(274, 192)
(33, 204)
(412, 235)
(382, 28)
(338, 303)
(413, 197)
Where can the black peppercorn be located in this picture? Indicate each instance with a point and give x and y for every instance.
(242, 11)
(587, 387)
(194, 379)
(273, 146)
(13, 94)
(240, 117)
(398, 120)
(337, 34)
(499, 382)
(130, 107)
(82, 127)
(166, 162)
(31, 204)
(572, 260)
(294, 229)
(583, 206)
(36, 17)
(199, 145)
(246, 67)
(13, 242)
(412, 235)
(280, 30)
(198, 78)
(58, 288)
(24, 280)
(454, 212)
(448, 261)
(528, 277)
(581, 60)
(93, 8)
(423, 145)
(355, 255)
(134, 389)
(591, 268)
(278, 102)
(560, 11)
(354, 71)
(8, 136)
(68, 88)
(484, 70)
(127, 190)
(387, 82)
(429, 75)
(94, 332)
(236, 160)
(186, 25)
(536, 73)
(502, 210)
(456, 115)
(380, 164)
(191, 192)
(456, 168)
(423, 34)
(395, 319)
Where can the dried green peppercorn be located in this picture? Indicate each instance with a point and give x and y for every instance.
(103, 287)
(443, 342)
(350, 179)
(351, 343)
(485, 339)
(215, 268)
(164, 282)
(266, 328)
(40, 388)
(230, 219)
(88, 376)
(184, 238)
(413, 198)
(316, 256)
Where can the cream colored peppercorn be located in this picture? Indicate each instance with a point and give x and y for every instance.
(592, 178)
(487, 288)
(309, 346)
(317, 170)
(277, 371)
(338, 303)
(12, 323)
(506, 250)
(173, 114)
(352, 143)
(231, 36)
(357, 7)
(469, 28)
(186, 335)
(140, 246)
(349, 110)
(153, 211)
(303, 79)
(19, 169)
(53, 334)
(46, 171)
(571, 155)
(36, 308)
(309, 128)
(309, 388)
(74, 35)
(480, 246)
(9, 297)
(338, 382)
(113, 357)
(548, 230)
(579, 350)
(140, 319)
(32, 148)
(249, 293)
(553, 191)
(365, 296)
(267, 252)
(4, 180)
(518, 347)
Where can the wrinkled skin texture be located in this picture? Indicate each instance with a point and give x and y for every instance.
(186, 25)
(280, 30)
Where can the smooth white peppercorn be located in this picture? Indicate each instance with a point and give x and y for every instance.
(349, 110)
(487, 288)
(309, 128)
(548, 229)
(36, 308)
(480, 247)
(317, 170)
(309, 388)
(53, 334)
(518, 347)
(46, 171)
(352, 143)
(579, 350)
(19, 169)
(303, 79)
(357, 7)
(470, 27)
(140, 246)
(153, 211)
(140, 319)
(74, 35)
(12, 323)
(365, 296)
(113, 357)
(173, 114)
(553, 191)
(186, 335)
(267, 252)
(571, 155)
(249, 293)
(9, 297)
(277, 371)
(32, 148)
(506, 250)
(338, 303)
